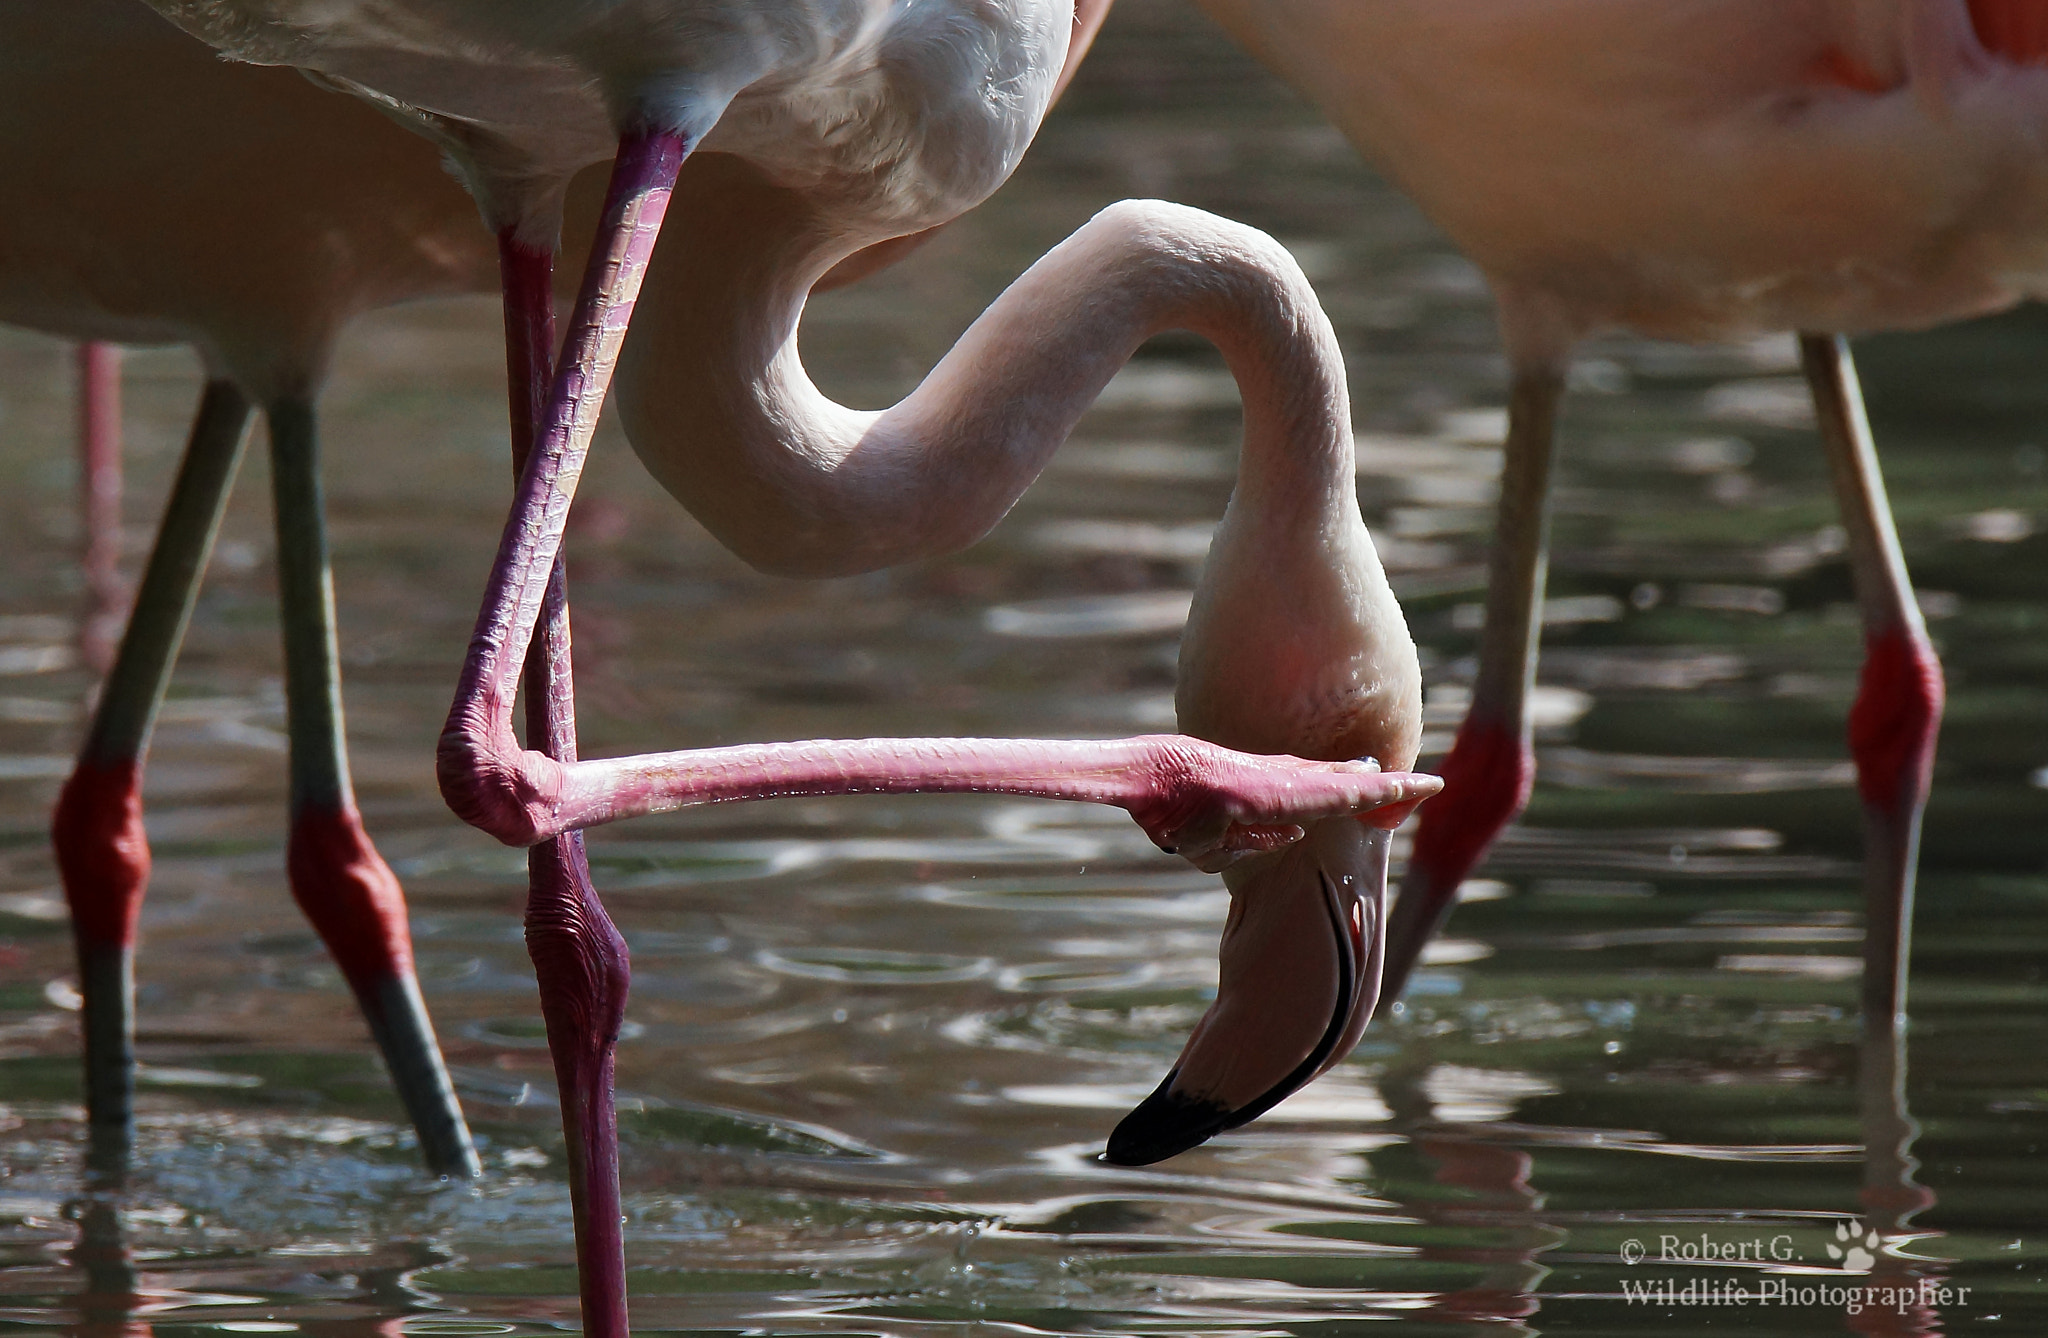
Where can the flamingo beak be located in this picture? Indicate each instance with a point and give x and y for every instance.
(1301, 960)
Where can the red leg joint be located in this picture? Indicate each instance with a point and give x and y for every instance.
(1488, 776)
(351, 896)
(1838, 68)
(1897, 714)
(102, 851)
(2015, 29)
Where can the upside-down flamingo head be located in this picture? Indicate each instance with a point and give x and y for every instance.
(1301, 956)
(1294, 644)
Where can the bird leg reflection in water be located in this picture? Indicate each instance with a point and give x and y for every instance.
(112, 1298)
(1492, 1216)
(1891, 1196)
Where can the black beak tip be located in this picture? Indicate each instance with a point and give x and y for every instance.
(1165, 1124)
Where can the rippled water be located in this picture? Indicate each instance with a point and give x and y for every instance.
(874, 1043)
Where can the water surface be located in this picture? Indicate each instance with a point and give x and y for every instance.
(874, 1043)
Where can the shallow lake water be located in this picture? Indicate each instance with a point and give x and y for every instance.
(873, 1044)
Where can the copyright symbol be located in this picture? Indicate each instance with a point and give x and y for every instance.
(1631, 1252)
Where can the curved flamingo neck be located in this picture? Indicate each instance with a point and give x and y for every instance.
(716, 401)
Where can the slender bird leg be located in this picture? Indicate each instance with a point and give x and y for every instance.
(1492, 765)
(102, 850)
(337, 877)
(579, 956)
(1892, 730)
(1897, 714)
(99, 477)
(478, 732)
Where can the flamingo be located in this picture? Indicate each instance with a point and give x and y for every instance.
(887, 120)
(1294, 644)
(250, 215)
(1697, 170)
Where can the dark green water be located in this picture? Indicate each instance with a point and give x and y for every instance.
(874, 1043)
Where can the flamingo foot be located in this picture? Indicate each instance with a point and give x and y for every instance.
(1487, 776)
(103, 860)
(356, 905)
(2015, 29)
(1301, 958)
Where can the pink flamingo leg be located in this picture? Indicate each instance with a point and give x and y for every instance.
(478, 733)
(102, 850)
(1209, 802)
(1897, 715)
(1491, 766)
(99, 439)
(579, 956)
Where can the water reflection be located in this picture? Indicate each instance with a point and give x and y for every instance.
(1490, 1222)
(1891, 1196)
(878, 1042)
(370, 1292)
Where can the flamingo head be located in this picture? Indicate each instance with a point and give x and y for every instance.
(1301, 957)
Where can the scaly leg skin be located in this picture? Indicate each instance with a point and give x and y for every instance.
(338, 878)
(1210, 803)
(99, 478)
(102, 850)
(1492, 765)
(1897, 715)
(579, 956)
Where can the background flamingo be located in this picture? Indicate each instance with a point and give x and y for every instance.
(251, 216)
(1709, 170)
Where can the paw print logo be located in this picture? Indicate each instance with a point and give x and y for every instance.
(1858, 1248)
